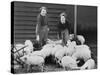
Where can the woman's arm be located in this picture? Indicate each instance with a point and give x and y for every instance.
(68, 26)
(38, 27)
(38, 24)
(58, 30)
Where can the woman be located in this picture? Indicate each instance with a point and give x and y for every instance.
(42, 26)
(64, 28)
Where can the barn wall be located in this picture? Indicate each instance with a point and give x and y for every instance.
(25, 16)
(87, 23)
(87, 17)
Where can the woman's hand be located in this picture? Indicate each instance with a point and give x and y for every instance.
(37, 37)
(48, 29)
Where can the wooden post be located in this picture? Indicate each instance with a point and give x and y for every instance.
(75, 21)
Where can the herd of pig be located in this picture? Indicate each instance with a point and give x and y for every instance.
(66, 56)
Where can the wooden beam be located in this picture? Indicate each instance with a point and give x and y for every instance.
(75, 21)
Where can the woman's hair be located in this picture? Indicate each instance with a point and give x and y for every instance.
(43, 7)
(63, 14)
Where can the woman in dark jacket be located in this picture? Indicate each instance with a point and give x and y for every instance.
(42, 26)
(64, 28)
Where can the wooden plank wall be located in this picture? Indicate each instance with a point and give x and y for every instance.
(25, 16)
(87, 17)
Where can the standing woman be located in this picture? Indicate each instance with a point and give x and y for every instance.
(64, 28)
(42, 26)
